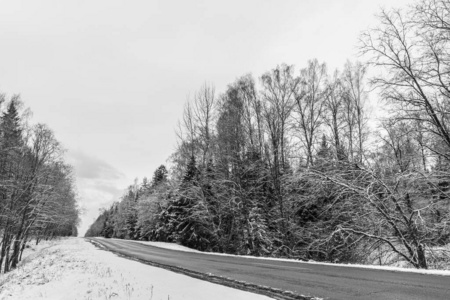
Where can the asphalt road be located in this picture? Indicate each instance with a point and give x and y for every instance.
(329, 282)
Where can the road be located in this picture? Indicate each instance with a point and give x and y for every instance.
(324, 281)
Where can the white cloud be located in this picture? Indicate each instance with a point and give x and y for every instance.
(89, 167)
(98, 184)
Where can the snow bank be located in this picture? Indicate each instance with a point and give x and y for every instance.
(173, 246)
(75, 269)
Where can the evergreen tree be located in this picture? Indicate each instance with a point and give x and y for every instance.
(159, 176)
(11, 173)
(189, 218)
(11, 131)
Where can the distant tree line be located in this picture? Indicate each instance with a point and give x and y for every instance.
(37, 195)
(292, 164)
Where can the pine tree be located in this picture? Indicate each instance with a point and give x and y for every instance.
(253, 180)
(179, 207)
(189, 217)
(11, 131)
(324, 155)
(11, 147)
(11, 142)
(159, 176)
(192, 173)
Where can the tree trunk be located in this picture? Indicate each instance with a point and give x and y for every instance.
(421, 258)
(21, 250)
(5, 243)
(17, 242)
(6, 268)
(14, 260)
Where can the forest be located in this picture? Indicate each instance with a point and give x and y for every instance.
(37, 191)
(349, 165)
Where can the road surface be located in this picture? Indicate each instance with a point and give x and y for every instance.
(324, 281)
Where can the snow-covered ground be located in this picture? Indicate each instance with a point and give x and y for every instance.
(173, 246)
(75, 269)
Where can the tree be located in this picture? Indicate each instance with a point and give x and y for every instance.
(189, 217)
(279, 92)
(36, 187)
(204, 103)
(12, 147)
(355, 116)
(159, 176)
(410, 47)
(334, 114)
(309, 106)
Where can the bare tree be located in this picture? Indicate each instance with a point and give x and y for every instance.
(204, 105)
(334, 113)
(279, 90)
(309, 106)
(253, 112)
(411, 47)
(390, 212)
(355, 116)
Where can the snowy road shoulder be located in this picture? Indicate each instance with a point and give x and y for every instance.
(75, 269)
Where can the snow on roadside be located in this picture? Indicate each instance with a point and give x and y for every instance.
(173, 246)
(75, 269)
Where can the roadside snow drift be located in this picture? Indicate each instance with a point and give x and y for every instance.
(75, 269)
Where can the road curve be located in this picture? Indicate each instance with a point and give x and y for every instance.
(324, 281)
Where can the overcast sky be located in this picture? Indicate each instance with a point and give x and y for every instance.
(111, 77)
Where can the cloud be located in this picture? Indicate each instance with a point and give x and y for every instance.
(95, 195)
(89, 167)
(99, 184)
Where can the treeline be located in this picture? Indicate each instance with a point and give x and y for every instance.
(37, 196)
(292, 164)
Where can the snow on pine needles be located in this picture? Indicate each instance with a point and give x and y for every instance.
(75, 269)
